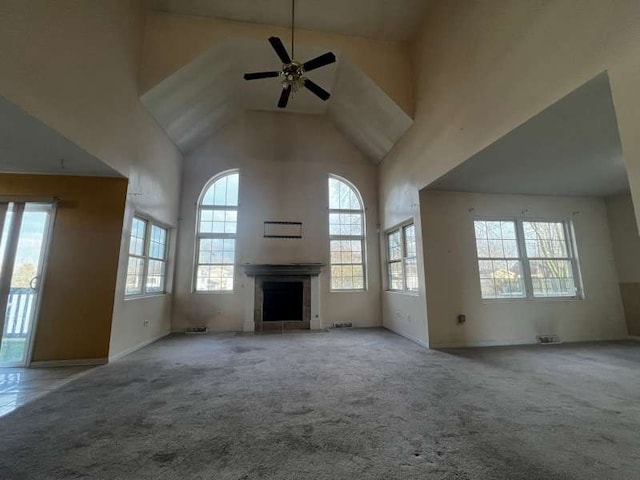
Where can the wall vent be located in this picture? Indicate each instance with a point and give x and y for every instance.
(547, 339)
(195, 330)
(342, 325)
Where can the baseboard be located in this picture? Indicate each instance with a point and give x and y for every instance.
(74, 362)
(422, 343)
(507, 343)
(124, 353)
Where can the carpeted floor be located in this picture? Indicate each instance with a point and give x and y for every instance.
(349, 404)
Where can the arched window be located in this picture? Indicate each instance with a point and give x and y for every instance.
(217, 226)
(346, 235)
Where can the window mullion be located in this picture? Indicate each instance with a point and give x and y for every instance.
(145, 253)
(524, 260)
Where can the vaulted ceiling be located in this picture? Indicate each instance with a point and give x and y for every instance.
(379, 19)
(209, 92)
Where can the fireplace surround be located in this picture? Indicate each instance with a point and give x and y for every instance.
(271, 285)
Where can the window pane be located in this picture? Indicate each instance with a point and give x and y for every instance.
(218, 221)
(501, 278)
(410, 240)
(496, 239)
(346, 251)
(411, 272)
(552, 278)
(345, 224)
(342, 196)
(158, 243)
(214, 278)
(135, 272)
(394, 245)
(395, 276)
(137, 240)
(223, 192)
(155, 276)
(217, 251)
(545, 239)
(347, 277)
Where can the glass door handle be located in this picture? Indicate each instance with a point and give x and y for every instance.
(33, 284)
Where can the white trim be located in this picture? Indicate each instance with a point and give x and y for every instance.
(515, 342)
(199, 235)
(361, 238)
(47, 240)
(74, 362)
(124, 353)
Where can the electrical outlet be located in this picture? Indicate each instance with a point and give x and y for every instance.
(146, 323)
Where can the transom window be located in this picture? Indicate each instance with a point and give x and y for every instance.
(402, 264)
(525, 259)
(216, 234)
(147, 266)
(346, 236)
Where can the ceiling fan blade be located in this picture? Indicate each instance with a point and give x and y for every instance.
(277, 45)
(284, 97)
(321, 61)
(259, 75)
(317, 89)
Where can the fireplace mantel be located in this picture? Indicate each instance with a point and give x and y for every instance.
(311, 269)
(258, 273)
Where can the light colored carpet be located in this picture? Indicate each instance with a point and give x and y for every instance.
(349, 404)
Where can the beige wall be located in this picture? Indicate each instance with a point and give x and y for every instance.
(483, 68)
(626, 249)
(284, 162)
(74, 64)
(452, 277)
(172, 41)
(79, 283)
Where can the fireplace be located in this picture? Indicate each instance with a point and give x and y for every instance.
(282, 301)
(282, 297)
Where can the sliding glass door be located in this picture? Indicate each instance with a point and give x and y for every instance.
(25, 233)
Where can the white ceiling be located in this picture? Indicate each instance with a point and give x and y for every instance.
(208, 93)
(29, 146)
(379, 19)
(570, 148)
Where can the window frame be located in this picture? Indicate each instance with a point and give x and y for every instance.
(524, 259)
(401, 229)
(211, 235)
(362, 238)
(149, 222)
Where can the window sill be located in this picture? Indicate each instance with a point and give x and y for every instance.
(489, 301)
(145, 295)
(213, 292)
(404, 292)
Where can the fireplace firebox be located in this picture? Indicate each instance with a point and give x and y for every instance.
(282, 297)
(282, 301)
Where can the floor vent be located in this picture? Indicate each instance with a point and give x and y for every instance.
(547, 339)
(342, 325)
(194, 330)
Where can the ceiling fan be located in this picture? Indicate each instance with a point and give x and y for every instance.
(293, 72)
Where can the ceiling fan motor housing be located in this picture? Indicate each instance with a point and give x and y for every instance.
(292, 75)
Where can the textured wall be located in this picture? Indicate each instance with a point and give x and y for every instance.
(626, 250)
(74, 64)
(284, 162)
(453, 285)
(80, 281)
(483, 68)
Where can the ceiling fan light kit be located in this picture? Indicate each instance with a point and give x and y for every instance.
(293, 72)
